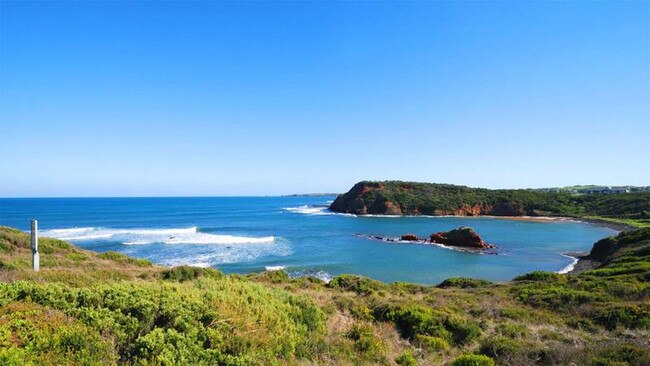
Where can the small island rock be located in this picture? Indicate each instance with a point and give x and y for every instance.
(410, 237)
(461, 237)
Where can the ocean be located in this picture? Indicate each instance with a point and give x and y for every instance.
(298, 235)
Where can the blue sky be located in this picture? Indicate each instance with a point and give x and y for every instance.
(263, 98)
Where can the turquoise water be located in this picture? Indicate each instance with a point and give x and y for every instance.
(250, 234)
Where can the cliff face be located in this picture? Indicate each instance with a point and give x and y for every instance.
(405, 198)
(356, 201)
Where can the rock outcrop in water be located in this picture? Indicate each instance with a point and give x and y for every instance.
(410, 237)
(461, 237)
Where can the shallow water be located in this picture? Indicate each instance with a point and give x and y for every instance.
(247, 234)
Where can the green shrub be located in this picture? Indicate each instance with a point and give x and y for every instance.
(415, 319)
(188, 273)
(473, 360)
(12, 239)
(622, 354)
(462, 282)
(406, 358)
(358, 309)
(431, 344)
(208, 321)
(406, 287)
(549, 277)
(77, 256)
(515, 313)
(358, 284)
(122, 258)
(366, 343)
(462, 331)
(50, 246)
(552, 296)
(629, 316)
(36, 335)
(499, 347)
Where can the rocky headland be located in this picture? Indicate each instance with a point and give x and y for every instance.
(412, 198)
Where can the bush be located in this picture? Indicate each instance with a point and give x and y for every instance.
(272, 277)
(431, 344)
(366, 343)
(473, 360)
(516, 313)
(499, 347)
(462, 282)
(462, 331)
(552, 296)
(415, 319)
(512, 330)
(211, 321)
(629, 316)
(406, 359)
(358, 284)
(50, 245)
(622, 354)
(33, 334)
(122, 258)
(187, 273)
(542, 276)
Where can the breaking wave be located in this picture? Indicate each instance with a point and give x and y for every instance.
(570, 266)
(314, 210)
(321, 275)
(150, 236)
(274, 268)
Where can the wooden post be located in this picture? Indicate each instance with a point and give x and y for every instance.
(35, 256)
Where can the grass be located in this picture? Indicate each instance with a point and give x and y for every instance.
(85, 308)
(637, 223)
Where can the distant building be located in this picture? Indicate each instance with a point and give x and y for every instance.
(606, 190)
(620, 190)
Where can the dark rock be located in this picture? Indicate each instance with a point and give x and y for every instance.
(461, 237)
(603, 249)
(410, 237)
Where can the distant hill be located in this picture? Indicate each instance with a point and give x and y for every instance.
(591, 187)
(411, 198)
(310, 195)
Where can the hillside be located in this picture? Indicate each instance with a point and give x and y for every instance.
(85, 308)
(409, 198)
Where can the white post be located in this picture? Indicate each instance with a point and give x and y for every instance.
(35, 256)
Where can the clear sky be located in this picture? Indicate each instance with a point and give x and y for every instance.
(263, 98)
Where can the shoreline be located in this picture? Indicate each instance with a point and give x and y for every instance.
(604, 223)
(581, 263)
(598, 222)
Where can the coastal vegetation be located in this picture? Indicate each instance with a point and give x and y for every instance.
(410, 198)
(84, 308)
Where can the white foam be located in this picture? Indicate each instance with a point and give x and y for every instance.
(87, 237)
(274, 268)
(71, 231)
(314, 210)
(149, 236)
(321, 275)
(211, 256)
(570, 266)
